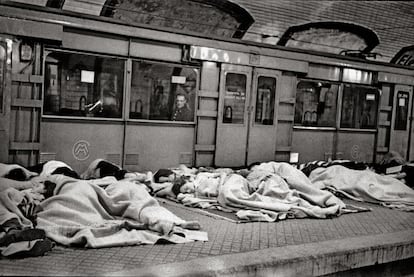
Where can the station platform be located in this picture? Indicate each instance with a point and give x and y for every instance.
(375, 243)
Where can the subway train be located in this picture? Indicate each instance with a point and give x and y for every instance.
(79, 87)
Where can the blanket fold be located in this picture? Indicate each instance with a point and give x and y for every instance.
(365, 185)
(86, 214)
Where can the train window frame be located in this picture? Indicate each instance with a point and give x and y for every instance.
(84, 105)
(3, 73)
(358, 127)
(231, 97)
(265, 97)
(176, 83)
(401, 116)
(326, 85)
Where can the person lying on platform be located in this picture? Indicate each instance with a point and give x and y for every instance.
(100, 168)
(168, 183)
(18, 177)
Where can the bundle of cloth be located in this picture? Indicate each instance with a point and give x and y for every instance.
(365, 183)
(19, 194)
(264, 192)
(98, 212)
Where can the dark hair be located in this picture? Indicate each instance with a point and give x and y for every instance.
(162, 173)
(177, 184)
(66, 171)
(16, 174)
(250, 166)
(110, 169)
(181, 94)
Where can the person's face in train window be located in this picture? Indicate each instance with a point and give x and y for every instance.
(181, 101)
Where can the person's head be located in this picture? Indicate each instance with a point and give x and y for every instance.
(181, 101)
(164, 175)
(182, 184)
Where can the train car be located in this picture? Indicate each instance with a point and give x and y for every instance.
(77, 87)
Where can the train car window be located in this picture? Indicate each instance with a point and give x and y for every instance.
(83, 85)
(401, 113)
(2, 73)
(163, 92)
(359, 107)
(316, 104)
(234, 98)
(265, 100)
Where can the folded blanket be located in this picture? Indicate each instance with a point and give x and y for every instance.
(123, 213)
(365, 185)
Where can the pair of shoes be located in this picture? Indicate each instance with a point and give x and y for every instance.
(39, 249)
(22, 235)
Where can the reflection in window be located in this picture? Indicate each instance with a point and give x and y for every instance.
(234, 98)
(401, 114)
(265, 100)
(83, 85)
(316, 104)
(359, 107)
(163, 92)
(2, 73)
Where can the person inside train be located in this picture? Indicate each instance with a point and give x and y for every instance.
(182, 111)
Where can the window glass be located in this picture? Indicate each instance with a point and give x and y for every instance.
(234, 98)
(2, 73)
(265, 100)
(401, 115)
(163, 92)
(359, 107)
(83, 85)
(316, 104)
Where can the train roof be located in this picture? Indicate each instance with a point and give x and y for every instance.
(100, 24)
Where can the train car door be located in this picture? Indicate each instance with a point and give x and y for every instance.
(232, 125)
(262, 129)
(5, 87)
(246, 129)
(399, 139)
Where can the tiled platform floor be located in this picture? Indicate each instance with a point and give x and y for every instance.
(225, 237)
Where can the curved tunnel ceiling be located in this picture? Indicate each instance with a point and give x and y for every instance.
(208, 17)
(332, 37)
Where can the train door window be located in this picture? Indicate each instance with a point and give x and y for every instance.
(83, 85)
(163, 92)
(316, 104)
(359, 107)
(234, 98)
(265, 100)
(401, 115)
(2, 73)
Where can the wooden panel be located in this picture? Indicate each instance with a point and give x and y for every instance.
(29, 103)
(104, 44)
(204, 148)
(27, 78)
(386, 108)
(24, 146)
(382, 149)
(283, 148)
(290, 100)
(385, 123)
(207, 113)
(286, 117)
(209, 94)
(30, 28)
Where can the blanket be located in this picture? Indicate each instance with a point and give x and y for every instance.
(365, 185)
(270, 191)
(85, 213)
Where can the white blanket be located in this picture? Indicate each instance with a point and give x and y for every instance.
(83, 213)
(272, 191)
(365, 185)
